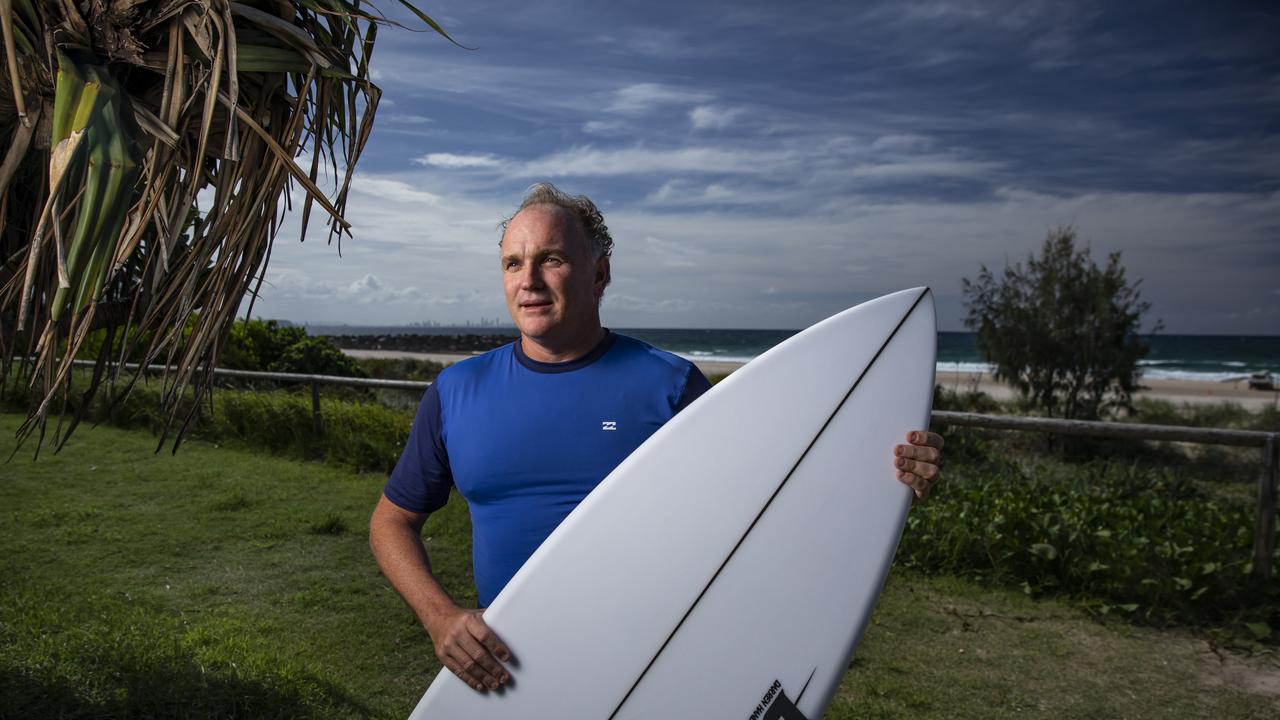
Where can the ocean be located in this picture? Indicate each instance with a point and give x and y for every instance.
(1172, 357)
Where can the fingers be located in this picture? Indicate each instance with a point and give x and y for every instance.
(920, 477)
(489, 639)
(481, 663)
(922, 437)
(471, 650)
(919, 486)
(918, 452)
(465, 673)
(926, 471)
(917, 462)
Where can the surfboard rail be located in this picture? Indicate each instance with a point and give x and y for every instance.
(765, 566)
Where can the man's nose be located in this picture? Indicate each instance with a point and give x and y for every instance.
(531, 276)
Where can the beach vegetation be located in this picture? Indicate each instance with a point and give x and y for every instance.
(401, 368)
(257, 344)
(147, 146)
(269, 346)
(219, 582)
(1062, 330)
(356, 430)
(1220, 415)
(316, 356)
(254, 344)
(1137, 540)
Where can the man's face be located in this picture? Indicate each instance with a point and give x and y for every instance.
(551, 284)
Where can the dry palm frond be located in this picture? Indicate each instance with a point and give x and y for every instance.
(114, 116)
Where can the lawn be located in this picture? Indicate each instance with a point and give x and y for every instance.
(227, 583)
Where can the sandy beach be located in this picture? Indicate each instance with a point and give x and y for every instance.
(1176, 391)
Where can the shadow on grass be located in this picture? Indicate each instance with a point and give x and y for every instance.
(121, 686)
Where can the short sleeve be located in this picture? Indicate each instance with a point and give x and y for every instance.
(694, 386)
(422, 478)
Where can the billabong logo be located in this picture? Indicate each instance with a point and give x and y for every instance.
(775, 705)
(609, 425)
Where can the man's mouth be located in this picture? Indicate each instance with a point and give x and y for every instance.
(535, 303)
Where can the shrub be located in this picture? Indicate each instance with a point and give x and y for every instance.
(1062, 331)
(1222, 415)
(258, 344)
(361, 434)
(1122, 539)
(316, 356)
(401, 368)
(968, 400)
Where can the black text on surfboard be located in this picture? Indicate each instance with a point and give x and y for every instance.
(775, 705)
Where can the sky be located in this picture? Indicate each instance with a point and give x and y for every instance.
(766, 164)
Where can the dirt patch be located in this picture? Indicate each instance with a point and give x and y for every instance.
(1255, 674)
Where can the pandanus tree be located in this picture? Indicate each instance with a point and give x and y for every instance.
(118, 120)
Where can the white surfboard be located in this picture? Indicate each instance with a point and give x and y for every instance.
(728, 567)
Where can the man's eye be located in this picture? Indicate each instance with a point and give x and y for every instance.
(554, 261)
(510, 265)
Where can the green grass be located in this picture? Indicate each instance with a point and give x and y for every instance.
(224, 583)
(946, 648)
(215, 583)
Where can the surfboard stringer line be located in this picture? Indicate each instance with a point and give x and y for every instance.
(767, 503)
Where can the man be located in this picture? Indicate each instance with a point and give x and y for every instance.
(504, 427)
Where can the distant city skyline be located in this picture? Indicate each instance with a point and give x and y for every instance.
(765, 166)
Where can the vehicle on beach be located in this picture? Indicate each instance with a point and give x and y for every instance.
(1262, 380)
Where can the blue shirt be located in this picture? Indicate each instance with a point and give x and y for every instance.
(524, 441)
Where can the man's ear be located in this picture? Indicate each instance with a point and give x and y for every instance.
(603, 275)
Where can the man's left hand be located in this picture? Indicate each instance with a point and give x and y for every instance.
(917, 462)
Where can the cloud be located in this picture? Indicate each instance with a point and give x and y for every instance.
(686, 193)
(417, 260)
(406, 119)
(393, 190)
(659, 306)
(901, 142)
(366, 285)
(285, 285)
(924, 167)
(643, 97)
(590, 161)
(455, 162)
(709, 117)
(604, 127)
(828, 154)
(673, 254)
(1016, 15)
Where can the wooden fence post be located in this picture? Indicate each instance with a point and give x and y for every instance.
(1264, 534)
(316, 423)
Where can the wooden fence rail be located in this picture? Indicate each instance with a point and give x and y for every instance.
(1264, 537)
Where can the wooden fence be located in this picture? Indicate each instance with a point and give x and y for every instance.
(1269, 442)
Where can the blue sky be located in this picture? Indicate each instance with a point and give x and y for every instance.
(766, 164)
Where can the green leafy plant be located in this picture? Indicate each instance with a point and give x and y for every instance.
(401, 368)
(1062, 330)
(1123, 539)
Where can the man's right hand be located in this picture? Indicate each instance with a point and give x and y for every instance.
(463, 642)
(469, 649)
